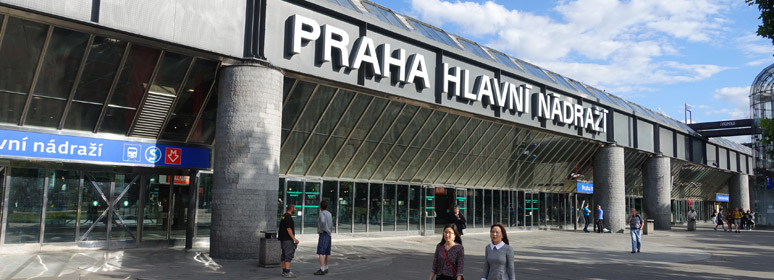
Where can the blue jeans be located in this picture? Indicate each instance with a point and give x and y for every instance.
(636, 239)
(586, 227)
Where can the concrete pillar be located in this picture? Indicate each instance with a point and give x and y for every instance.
(739, 191)
(657, 191)
(247, 153)
(609, 189)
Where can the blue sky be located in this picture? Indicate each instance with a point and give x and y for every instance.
(657, 53)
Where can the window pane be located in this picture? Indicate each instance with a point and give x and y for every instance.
(361, 207)
(177, 128)
(311, 206)
(329, 194)
(22, 45)
(101, 66)
(196, 87)
(61, 63)
(25, 201)
(156, 211)
(479, 200)
(93, 205)
(345, 203)
(204, 131)
(171, 73)
(402, 204)
(124, 225)
(389, 208)
(45, 112)
(62, 206)
(117, 120)
(375, 211)
(11, 106)
(415, 200)
(82, 116)
(135, 76)
(204, 210)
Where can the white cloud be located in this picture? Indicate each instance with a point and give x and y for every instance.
(621, 44)
(738, 98)
(753, 45)
(758, 62)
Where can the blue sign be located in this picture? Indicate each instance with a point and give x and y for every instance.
(721, 197)
(93, 150)
(584, 187)
(769, 183)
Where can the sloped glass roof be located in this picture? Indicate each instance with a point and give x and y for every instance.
(383, 14)
(560, 79)
(433, 33)
(504, 59)
(474, 48)
(344, 3)
(534, 70)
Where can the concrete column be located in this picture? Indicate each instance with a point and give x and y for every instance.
(739, 191)
(609, 189)
(247, 153)
(657, 191)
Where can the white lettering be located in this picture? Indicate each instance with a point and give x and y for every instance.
(389, 61)
(418, 70)
(304, 30)
(335, 38)
(365, 52)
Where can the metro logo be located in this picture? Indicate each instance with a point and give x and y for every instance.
(173, 156)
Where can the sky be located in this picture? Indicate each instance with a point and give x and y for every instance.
(661, 54)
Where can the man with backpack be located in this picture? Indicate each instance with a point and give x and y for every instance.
(635, 229)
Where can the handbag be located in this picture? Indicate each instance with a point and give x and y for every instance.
(447, 261)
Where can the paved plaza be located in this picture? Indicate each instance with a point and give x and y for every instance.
(703, 254)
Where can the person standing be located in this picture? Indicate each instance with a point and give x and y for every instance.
(449, 258)
(288, 241)
(692, 215)
(752, 219)
(587, 216)
(635, 230)
(599, 218)
(737, 218)
(498, 256)
(458, 219)
(719, 220)
(324, 229)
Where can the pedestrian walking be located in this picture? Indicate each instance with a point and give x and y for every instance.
(599, 218)
(719, 220)
(458, 219)
(730, 220)
(587, 216)
(737, 218)
(635, 230)
(752, 219)
(449, 258)
(288, 241)
(498, 256)
(324, 229)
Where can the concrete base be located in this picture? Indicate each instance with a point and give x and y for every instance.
(270, 254)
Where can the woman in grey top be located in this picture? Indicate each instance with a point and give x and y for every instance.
(498, 256)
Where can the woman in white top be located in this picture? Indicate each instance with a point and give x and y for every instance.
(498, 256)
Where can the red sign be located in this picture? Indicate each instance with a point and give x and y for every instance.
(440, 191)
(173, 156)
(182, 180)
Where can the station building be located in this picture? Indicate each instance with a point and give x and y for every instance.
(158, 123)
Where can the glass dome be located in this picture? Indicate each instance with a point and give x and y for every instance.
(761, 104)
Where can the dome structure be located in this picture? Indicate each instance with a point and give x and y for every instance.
(761, 107)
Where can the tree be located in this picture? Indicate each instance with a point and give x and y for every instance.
(767, 136)
(766, 29)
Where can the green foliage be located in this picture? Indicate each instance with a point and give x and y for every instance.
(767, 136)
(766, 29)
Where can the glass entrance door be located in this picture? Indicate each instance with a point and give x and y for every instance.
(429, 211)
(111, 208)
(531, 209)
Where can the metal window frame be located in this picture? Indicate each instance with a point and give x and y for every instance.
(448, 151)
(360, 146)
(520, 163)
(467, 157)
(311, 133)
(442, 153)
(502, 159)
(300, 115)
(36, 75)
(381, 139)
(397, 139)
(177, 98)
(330, 136)
(146, 93)
(481, 153)
(349, 136)
(210, 92)
(435, 147)
(551, 156)
(457, 153)
(488, 161)
(44, 202)
(117, 77)
(408, 146)
(76, 82)
(6, 192)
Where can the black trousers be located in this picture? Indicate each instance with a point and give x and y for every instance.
(586, 227)
(598, 226)
(444, 277)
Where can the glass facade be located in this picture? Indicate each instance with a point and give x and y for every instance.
(73, 80)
